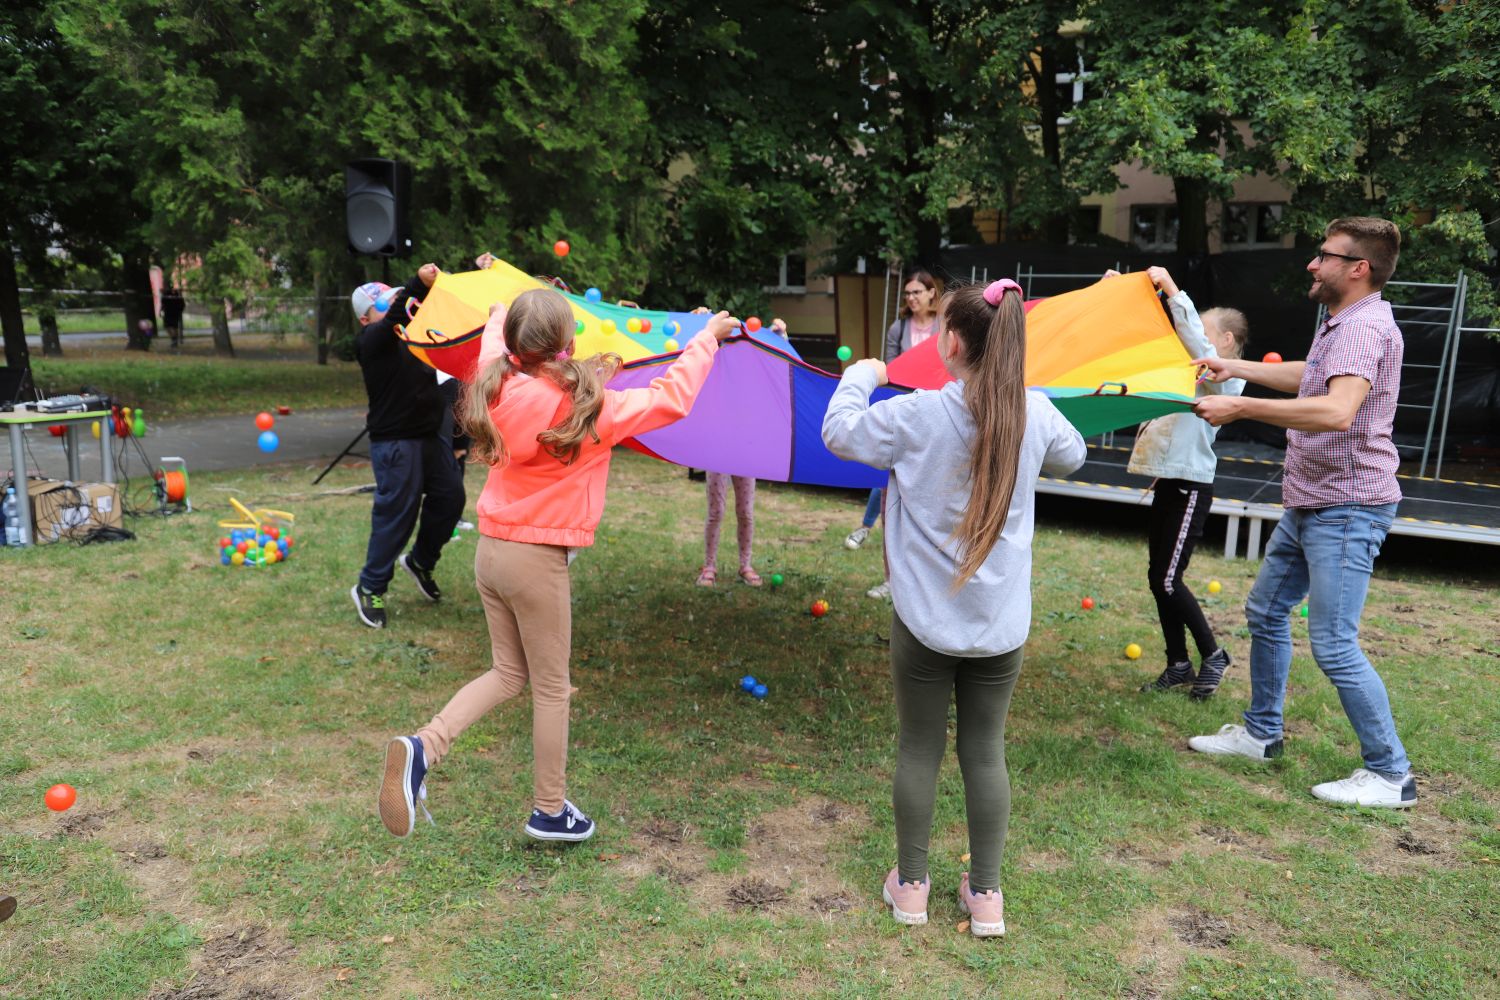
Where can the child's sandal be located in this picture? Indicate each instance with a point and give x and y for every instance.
(750, 577)
(707, 577)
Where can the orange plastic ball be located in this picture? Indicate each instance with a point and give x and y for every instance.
(264, 420)
(561, 248)
(1272, 358)
(752, 324)
(1088, 604)
(61, 797)
(819, 608)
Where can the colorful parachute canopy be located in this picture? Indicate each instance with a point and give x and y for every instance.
(1106, 355)
(444, 328)
(759, 414)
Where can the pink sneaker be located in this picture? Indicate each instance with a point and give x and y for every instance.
(908, 901)
(986, 910)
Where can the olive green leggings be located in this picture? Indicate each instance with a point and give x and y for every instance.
(925, 683)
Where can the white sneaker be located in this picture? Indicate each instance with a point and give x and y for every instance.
(1366, 788)
(1234, 741)
(856, 538)
(880, 593)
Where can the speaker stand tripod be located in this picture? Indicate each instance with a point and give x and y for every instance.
(348, 450)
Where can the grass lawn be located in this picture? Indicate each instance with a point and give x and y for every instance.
(173, 386)
(224, 729)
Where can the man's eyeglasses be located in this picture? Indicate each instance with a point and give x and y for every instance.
(1323, 255)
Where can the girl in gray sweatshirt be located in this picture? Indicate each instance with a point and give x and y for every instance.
(964, 461)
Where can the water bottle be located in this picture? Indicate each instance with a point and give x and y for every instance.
(12, 518)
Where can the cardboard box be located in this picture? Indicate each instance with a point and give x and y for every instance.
(62, 510)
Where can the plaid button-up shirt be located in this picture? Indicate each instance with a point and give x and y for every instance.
(1357, 466)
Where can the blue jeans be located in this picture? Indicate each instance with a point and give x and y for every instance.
(873, 507)
(1326, 555)
(411, 476)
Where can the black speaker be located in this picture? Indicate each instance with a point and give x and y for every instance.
(377, 194)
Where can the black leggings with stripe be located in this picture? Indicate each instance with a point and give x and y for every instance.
(1179, 511)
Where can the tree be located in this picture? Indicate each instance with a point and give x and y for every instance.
(1209, 93)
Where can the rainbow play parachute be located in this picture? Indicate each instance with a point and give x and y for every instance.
(1106, 355)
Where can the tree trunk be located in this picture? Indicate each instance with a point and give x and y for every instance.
(46, 318)
(218, 311)
(1192, 215)
(1055, 229)
(17, 357)
(321, 336)
(140, 314)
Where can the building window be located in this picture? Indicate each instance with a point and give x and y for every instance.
(1070, 87)
(1248, 225)
(1154, 227)
(790, 275)
(1087, 222)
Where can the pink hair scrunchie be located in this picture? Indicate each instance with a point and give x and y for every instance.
(995, 290)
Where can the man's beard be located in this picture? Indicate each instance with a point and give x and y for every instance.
(1323, 292)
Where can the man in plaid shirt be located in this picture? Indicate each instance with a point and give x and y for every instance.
(1340, 494)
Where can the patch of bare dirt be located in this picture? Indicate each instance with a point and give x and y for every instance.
(754, 894)
(245, 963)
(139, 854)
(791, 863)
(82, 824)
(1154, 952)
(1201, 929)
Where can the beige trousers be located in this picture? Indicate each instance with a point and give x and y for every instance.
(528, 606)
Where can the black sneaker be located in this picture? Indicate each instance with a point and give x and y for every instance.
(1176, 675)
(425, 583)
(371, 607)
(1211, 673)
(570, 824)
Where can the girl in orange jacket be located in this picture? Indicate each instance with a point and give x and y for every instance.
(545, 425)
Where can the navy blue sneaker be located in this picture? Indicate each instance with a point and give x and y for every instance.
(404, 785)
(570, 824)
(1210, 674)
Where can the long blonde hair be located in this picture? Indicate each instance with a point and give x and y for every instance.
(994, 351)
(538, 332)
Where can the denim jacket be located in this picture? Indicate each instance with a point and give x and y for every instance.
(1181, 445)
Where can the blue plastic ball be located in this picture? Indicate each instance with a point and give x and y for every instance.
(224, 558)
(759, 691)
(268, 441)
(592, 295)
(747, 682)
(673, 328)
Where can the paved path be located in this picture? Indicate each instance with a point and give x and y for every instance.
(209, 443)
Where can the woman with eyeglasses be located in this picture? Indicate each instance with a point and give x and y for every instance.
(915, 322)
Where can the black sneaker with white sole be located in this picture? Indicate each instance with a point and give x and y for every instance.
(371, 607)
(423, 577)
(1211, 673)
(1176, 675)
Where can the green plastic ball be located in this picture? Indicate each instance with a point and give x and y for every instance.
(777, 579)
(845, 354)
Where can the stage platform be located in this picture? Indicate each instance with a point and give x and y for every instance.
(1248, 488)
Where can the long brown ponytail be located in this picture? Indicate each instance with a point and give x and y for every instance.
(538, 329)
(994, 352)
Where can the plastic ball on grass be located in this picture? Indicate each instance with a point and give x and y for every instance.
(60, 798)
(238, 558)
(1087, 604)
(1303, 612)
(759, 691)
(844, 353)
(748, 682)
(777, 579)
(819, 608)
(1133, 651)
(1214, 586)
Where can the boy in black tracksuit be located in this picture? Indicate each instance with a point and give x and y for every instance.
(413, 462)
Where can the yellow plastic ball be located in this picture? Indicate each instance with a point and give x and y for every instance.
(608, 326)
(1133, 651)
(95, 429)
(1214, 586)
(633, 325)
(238, 558)
(669, 346)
